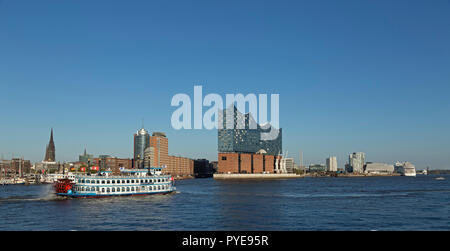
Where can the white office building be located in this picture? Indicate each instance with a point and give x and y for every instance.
(287, 165)
(332, 164)
(356, 162)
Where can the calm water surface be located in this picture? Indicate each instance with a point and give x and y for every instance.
(376, 203)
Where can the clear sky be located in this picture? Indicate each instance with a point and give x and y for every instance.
(370, 76)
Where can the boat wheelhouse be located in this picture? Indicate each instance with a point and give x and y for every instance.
(130, 182)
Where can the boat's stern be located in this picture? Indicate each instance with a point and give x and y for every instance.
(63, 187)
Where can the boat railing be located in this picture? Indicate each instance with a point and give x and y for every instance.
(121, 177)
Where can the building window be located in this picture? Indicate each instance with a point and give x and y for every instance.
(224, 158)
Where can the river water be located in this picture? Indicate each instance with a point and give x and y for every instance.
(373, 203)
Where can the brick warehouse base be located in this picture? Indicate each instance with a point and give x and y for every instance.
(247, 163)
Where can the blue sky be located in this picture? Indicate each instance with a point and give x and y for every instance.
(371, 76)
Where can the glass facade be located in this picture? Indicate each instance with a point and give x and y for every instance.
(242, 138)
(141, 142)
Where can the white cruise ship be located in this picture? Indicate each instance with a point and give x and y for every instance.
(405, 169)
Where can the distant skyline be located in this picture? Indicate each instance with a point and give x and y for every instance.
(353, 76)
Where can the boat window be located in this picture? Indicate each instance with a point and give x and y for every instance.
(132, 189)
(128, 181)
(107, 182)
(107, 190)
(103, 182)
(123, 189)
(103, 190)
(128, 189)
(113, 181)
(113, 190)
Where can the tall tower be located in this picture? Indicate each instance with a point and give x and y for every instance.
(141, 142)
(50, 151)
(160, 144)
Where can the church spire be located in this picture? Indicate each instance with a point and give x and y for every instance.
(50, 151)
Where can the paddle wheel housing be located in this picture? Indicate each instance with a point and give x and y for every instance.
(63, 185)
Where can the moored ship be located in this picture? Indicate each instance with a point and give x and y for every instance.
(129, 183)
(405, 169)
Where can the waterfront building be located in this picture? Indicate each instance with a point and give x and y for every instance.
(316, 168)
(242, 138)
(287, 165)
(50, 149)
(155, 154)
(248, 163)
(242, 149)
(378, 168)
(356, 162)
(160, 145)
(203, 168)
(332, 164)
(179, 166)
(141, 142)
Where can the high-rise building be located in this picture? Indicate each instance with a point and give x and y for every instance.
(332, 164)
(50, 150)
(160, 145)
(243, 138)
(356, 162)
(149, 156)
(141, 142)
